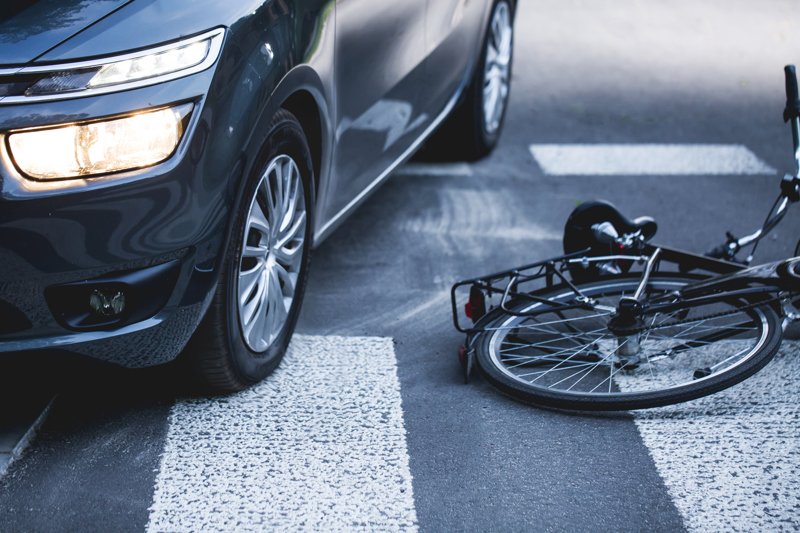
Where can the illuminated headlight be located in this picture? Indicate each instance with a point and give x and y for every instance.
(152, 65)
(119, 73)
(130, 70)
(101, 147)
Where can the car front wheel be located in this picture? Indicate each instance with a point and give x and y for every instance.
(247, 328)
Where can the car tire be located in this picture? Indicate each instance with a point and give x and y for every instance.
(473, 129)
(252, 316)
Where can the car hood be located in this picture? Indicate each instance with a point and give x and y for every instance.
(144, 23)
(29, 28)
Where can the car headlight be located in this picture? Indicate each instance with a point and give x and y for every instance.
(129, 70)
(118, 73)
(101, 147)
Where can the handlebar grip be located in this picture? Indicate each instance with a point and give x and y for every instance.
(792, 109)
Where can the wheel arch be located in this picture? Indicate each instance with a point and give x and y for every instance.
(304, 107)
(301, 92)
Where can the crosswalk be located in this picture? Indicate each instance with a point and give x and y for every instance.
(321, 445)
(731, 461)
(318, 446)
(648, 159)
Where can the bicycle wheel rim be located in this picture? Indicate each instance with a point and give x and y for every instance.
(588, 369)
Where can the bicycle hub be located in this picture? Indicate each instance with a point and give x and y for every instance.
(626, 321)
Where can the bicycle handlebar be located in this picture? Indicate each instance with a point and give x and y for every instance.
(792, 109)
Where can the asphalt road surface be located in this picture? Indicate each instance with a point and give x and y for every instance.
(368, 425)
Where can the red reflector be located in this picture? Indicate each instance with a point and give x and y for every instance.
(476, 307)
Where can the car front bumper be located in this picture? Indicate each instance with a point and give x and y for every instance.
(175, 213)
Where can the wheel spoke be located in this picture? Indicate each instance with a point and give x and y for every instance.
(258, 221)
(250, 303)
(286, 208)
(255, 251)
(525, 326)
(277, 306)
(549, 356)
(290, 244)
(252, 330)
(267, 197)
(560, 364)
(290, 207)
(248, 280)
(491, 55)
(287, 280)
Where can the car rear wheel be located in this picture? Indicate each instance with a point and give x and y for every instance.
(247, 328)
(473, 129)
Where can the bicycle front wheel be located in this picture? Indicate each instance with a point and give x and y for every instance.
(568, 358)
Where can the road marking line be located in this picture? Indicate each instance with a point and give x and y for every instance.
(731, 461)
(18, 438)
(434, 169)
(319, 445)
(648, 159)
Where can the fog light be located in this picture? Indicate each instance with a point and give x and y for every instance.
(107, 302)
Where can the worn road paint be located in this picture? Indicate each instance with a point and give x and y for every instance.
(319, 445)
(477, 215)
(647, 159)
(434, 169)
(731, 461)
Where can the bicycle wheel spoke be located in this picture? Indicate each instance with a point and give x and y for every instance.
(644, 342)
(550, 356)
(562, 362)
(596, 366)
(609, 378)
(523, 326)
(516, 346)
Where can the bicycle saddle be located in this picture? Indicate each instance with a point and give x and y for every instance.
(578, 233)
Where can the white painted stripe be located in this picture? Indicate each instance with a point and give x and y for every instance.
(318, 446)
(647, 159)
(731, 461)
(25, 440)
(434, 169)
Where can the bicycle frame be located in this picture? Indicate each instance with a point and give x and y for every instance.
(771, 282)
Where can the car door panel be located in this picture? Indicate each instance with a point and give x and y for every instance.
(379, 72)
(454, 29)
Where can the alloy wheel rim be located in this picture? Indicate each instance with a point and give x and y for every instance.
(497, 68)
(272, 253)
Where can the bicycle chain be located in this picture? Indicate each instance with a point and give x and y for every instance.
(714, 315)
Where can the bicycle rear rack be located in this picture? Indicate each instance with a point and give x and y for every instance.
(525, 281)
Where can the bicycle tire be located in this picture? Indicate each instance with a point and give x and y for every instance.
(573, 349)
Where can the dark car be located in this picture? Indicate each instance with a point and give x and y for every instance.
(165, 167)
